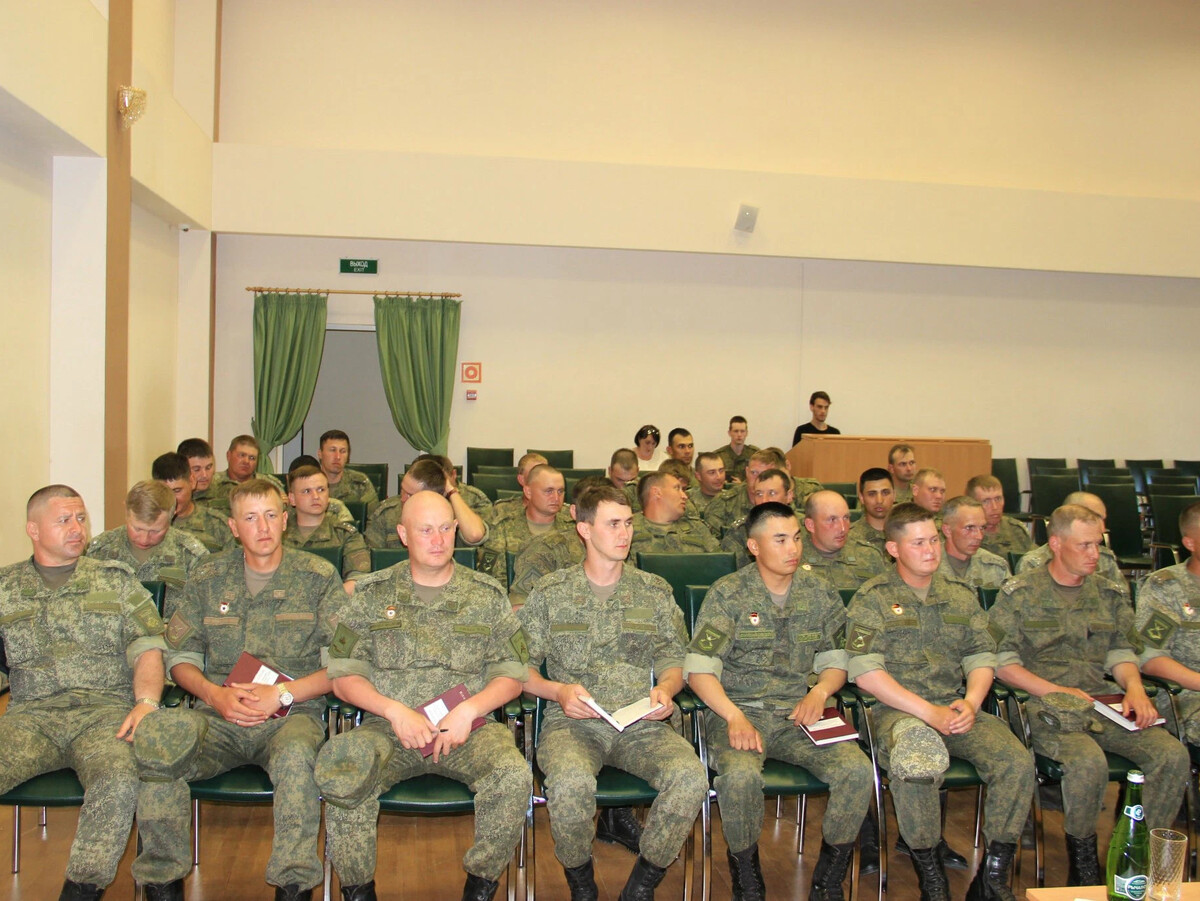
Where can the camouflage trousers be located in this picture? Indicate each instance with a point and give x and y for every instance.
(739, 783)
(176, 746)
(571, 753)
(1085, 769)
(1189, 712)
(39, 737)
(354, 768)
(1002, 761)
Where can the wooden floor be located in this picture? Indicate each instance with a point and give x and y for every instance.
(420, 858)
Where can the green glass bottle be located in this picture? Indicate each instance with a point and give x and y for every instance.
(1127, 875)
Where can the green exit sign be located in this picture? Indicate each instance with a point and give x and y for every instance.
(370, 267)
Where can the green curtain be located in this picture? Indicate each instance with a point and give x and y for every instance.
(289, 338)
(418, 350)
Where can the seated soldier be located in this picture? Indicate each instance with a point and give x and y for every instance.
(1108, 565)
(84, 653)
(339, 510)
(775, 488)
(929, 492)
(662, 526)
(622, 467)
(511, 506)
(313, 526)
(411, 633)
(829, 550)
(552, 552)
(199, 454)
(736, 454)
(733, 505)
(709, 481)
(204, 524)
(242, 459)
(345, 484)
(1060, 627)
(875, 498)
(962, 529)
(476, 499)
(761, 632)
(681, 446)
(1168, 609)
(912, 634)
(147, 543)
(609, 633)
(423, 475)
(902, 464)
(1003, 534)
(681, 471)
(543, 513)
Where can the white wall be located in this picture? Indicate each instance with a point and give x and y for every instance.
(581, 347)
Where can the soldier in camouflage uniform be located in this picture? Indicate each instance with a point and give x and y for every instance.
(510, 506)
(345, 484)
(199, 454)
(774, 489)
(662, 526)
(242, 457)
(736, 454)
(148, 544)
(902, 464)
(313, 526)
(828, 549)
(542, 514)
(608, 632)
(208, 527)
(710, 481)
(423, 475)
(929, 491)
(876, 496)
(962, 530)
(84, 646)
(411, 633)
(276, 604)
(761, 632)
(912, 634)
(474, 498)
(1003, 535)
(1059, 628)
(1168, 617)
(1108, 567)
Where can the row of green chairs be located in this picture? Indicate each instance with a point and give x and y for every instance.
(504, 456)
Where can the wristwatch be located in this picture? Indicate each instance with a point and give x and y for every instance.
(285, 696)
(149, 702)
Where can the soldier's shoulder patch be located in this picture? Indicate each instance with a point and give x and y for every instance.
(146, 616)
(859, 638)
(709, 640)
(178, 630)
(519, 641)
(347, 527)
(1158, 629)
(343, 641)
(374, 578)
(192, 545)
(485, 579)
(117, 565)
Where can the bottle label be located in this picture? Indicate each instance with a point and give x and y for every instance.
(1133, 888)
(1135, 812)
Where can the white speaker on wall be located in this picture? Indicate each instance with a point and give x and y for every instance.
(746, 218)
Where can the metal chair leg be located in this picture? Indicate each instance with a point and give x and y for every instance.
(16, 854)
(195, 833)
(801, 821)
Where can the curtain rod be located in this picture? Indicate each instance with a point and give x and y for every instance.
(261, 290)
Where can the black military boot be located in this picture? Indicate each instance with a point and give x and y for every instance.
(991, 880)
(164, 891)
(363, 892)
(80, 891)
(745, 873)
(949, 857)
(1083, 865)
(618, 826)
(292, 892)
(643, 879)
(581, 880)
(931, 875)
(829, 872)
(479, 889)
(868, 843)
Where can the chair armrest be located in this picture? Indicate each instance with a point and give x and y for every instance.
(173, 696)
(1159, 682)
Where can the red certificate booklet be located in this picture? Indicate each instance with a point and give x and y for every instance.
(1110, 706)
(830, 728)
(437, 709)
(249, 669)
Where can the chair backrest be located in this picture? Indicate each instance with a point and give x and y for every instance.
(1188, 467)
(490, 483)
(1005, 469)
(500, 470)
(1137, 469)
(847, 595)
(1083, 464)
(332, 554)
(848, 490)
(1165, 510)
(1035, 464)
(987, 597)
(1110, 474)
(559, 459)
(1058, 471)
(510, 565)
(682, 570)
(1014, 557)
(158, 591)
(1174, 488)
(358, 509)
(376, 472)
(383, 557)
(492, 456)
(1169, 477)
(694, 597)
(1050, 490)
(1124, 517)
(574, 475)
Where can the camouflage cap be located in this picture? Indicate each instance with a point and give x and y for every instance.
(918, 753)
(1065, 712)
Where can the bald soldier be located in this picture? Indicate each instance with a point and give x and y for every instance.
(876, 497)
(661, 527)
(828, 549)
(902, 464)
(963, 522)
(411, 633)
(542, 514)
(84, 656)
(1002, 535)
(1108, 567)
(424, 475)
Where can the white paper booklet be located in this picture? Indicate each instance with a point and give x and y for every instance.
(627, 715)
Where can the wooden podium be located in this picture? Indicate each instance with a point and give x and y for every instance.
(842, 458)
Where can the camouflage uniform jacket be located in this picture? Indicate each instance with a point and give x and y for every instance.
(863, 532)
(691, 511)
(984, 570)
(476, 500)
(761, 653)
(355, 486)
(1168, 622)
(802, 489)
(684, 536)
(849, 568)
(699, 499)
(171, 561)
(356, 558)
(1071, 646)
(542, 556)
(207, 526)
(413, 652)
(1107, 567)
(85, 636)
(611, 648)
(903, 495)
(734, 542)
(726, 509)
(286, 625)
(219, 490)
(735, 464)
(927, 646)
(504, 508)
(1010, 537)
(510, 536)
